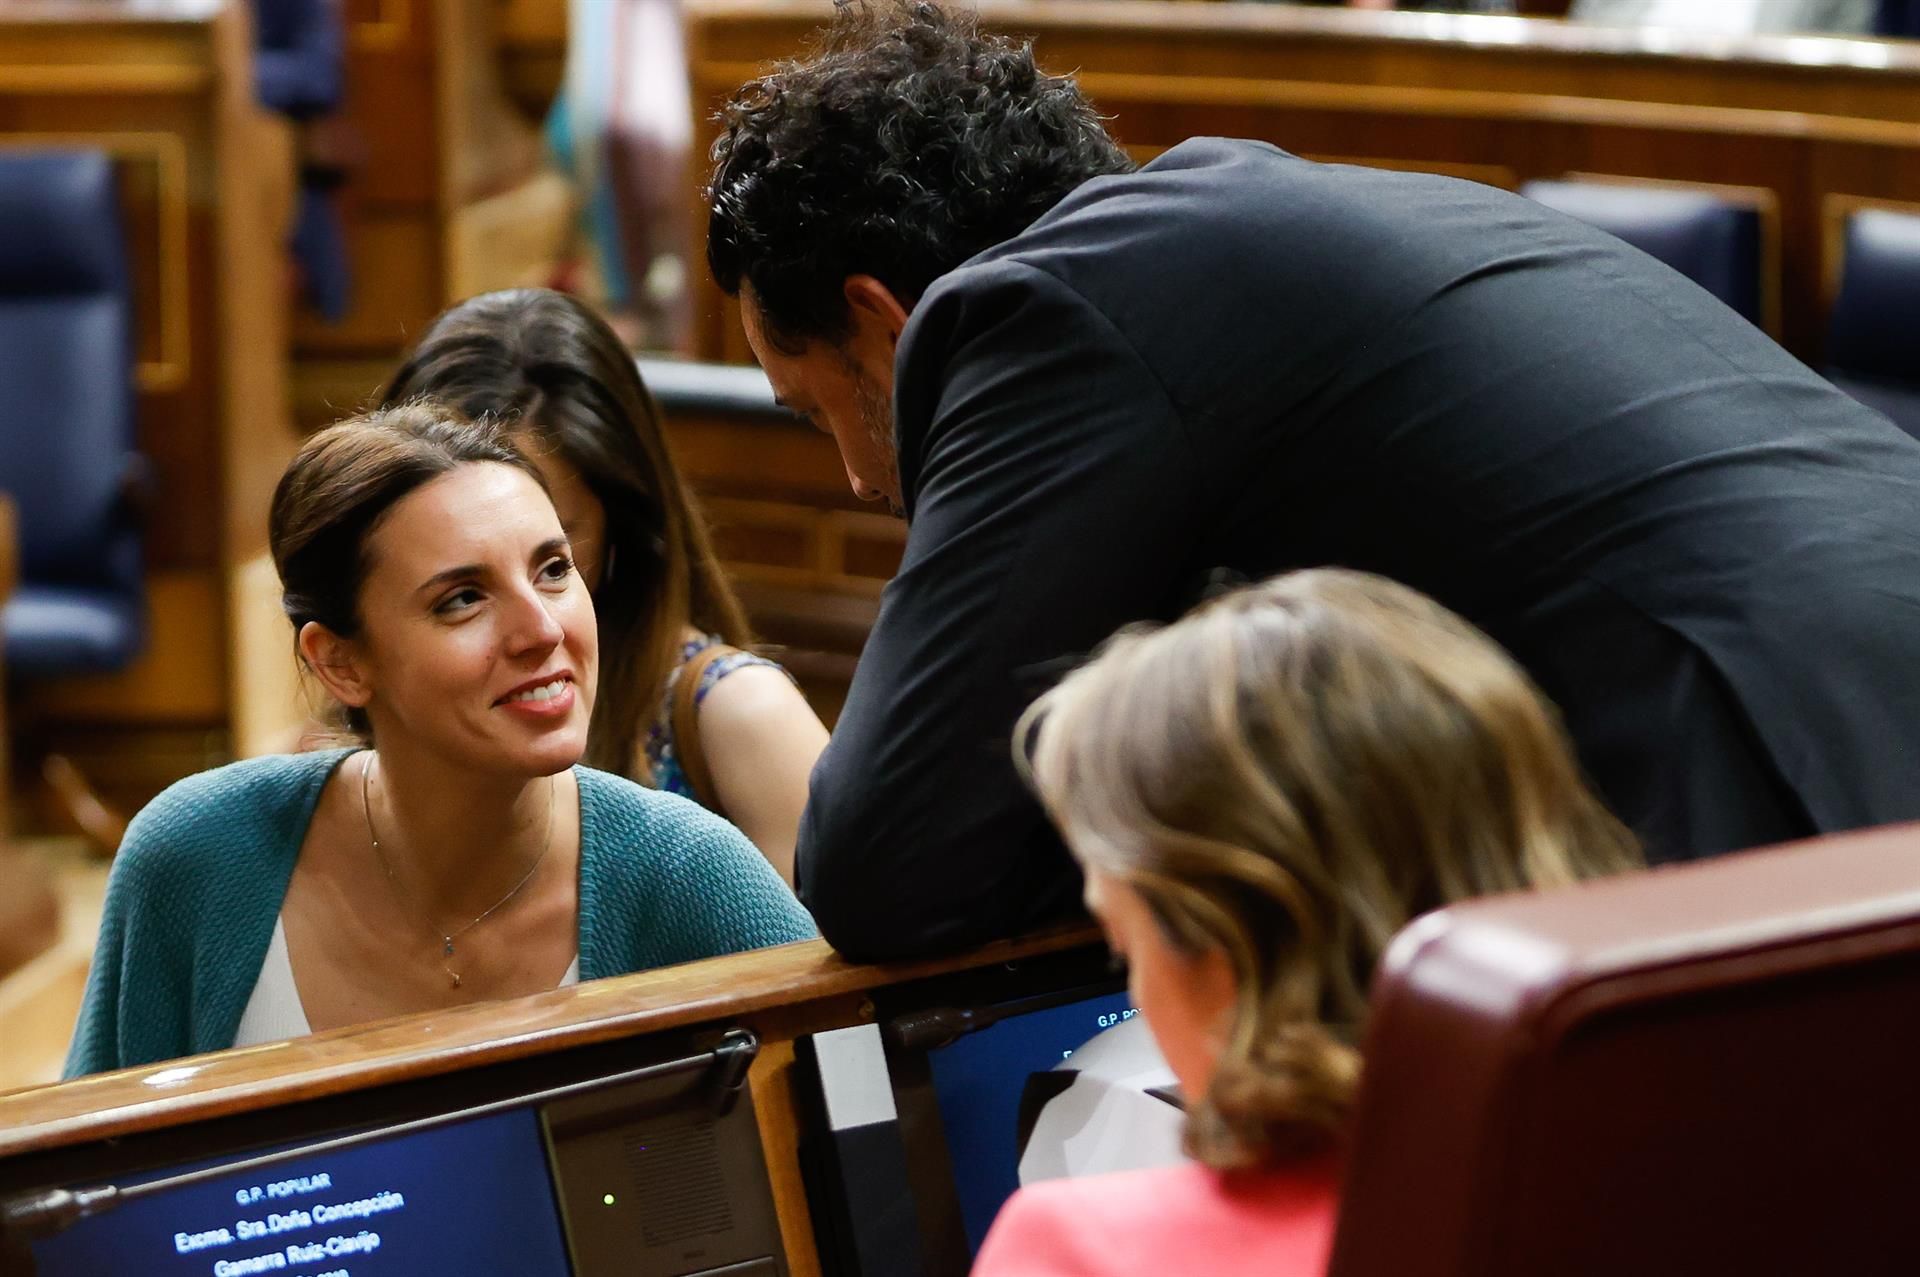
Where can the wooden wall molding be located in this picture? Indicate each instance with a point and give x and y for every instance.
(103, 78)
(388, 28)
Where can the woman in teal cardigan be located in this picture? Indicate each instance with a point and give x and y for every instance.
(466, 856)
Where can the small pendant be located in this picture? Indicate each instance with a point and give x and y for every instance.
(449, 949)
(456, 978)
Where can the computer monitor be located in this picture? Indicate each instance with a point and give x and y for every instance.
(913, 1125)
(652, 1172)
(980, 1080)
(472, 1197)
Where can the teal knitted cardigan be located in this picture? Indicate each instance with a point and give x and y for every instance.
(199, 882)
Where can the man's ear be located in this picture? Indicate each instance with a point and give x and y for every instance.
(335, 661)
(876, 311)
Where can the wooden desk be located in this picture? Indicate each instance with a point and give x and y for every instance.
(112, 1124)
(1816, 124)
(809, 557)
(165, 88)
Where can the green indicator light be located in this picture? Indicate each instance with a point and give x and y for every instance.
(608, 1199)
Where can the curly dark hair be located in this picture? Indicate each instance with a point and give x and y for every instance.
(903, 145)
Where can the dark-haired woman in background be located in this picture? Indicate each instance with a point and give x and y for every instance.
(464, 856)
(553, 373)
(1261, 795)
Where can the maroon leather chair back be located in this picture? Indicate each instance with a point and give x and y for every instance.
(1707, 1069)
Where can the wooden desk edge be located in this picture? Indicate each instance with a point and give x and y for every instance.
(119, 13)
(174, 1092)
(1510, 34)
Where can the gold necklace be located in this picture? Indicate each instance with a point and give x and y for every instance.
(448, 937)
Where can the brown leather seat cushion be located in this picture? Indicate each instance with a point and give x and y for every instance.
(1708, 1069)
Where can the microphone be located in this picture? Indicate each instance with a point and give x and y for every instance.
(54, 1211)
(935, 1027)
(24, 1220)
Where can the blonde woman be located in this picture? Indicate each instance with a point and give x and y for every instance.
(1260, 796)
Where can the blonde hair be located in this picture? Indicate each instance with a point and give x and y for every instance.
(1290, 774)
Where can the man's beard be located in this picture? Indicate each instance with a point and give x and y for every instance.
(875, 408)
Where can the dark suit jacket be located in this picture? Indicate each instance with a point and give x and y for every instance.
(1706, 555)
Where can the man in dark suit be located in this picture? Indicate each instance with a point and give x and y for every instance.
(1109, 386)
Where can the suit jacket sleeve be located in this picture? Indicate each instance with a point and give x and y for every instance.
(1050, 488)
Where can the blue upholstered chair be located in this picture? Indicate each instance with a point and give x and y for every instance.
(67, 435)
(299, 70)
(1712, 241)
(1873, 335)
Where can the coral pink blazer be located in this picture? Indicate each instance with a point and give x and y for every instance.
(1169, 1220)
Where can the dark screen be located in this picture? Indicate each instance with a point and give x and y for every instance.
(978, 1082)
(474, 1197)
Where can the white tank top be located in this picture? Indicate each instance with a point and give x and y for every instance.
(274, 1012)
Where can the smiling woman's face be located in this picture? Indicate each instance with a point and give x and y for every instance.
(477, 637)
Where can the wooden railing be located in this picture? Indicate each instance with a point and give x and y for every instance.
(214, 1106)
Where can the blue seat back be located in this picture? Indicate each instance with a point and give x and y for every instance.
(1876, 316)
(299, 56)
(66, 369)
(1873, 334)
(1712, 241)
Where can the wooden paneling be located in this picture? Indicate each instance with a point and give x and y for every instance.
(805, 547)
(1501, 100)
(392, 201)
(165, 88)
(395, 256)
(533, 48)
(446, 197)
(810, 558)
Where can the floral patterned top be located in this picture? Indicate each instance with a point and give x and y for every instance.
(661, 757)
